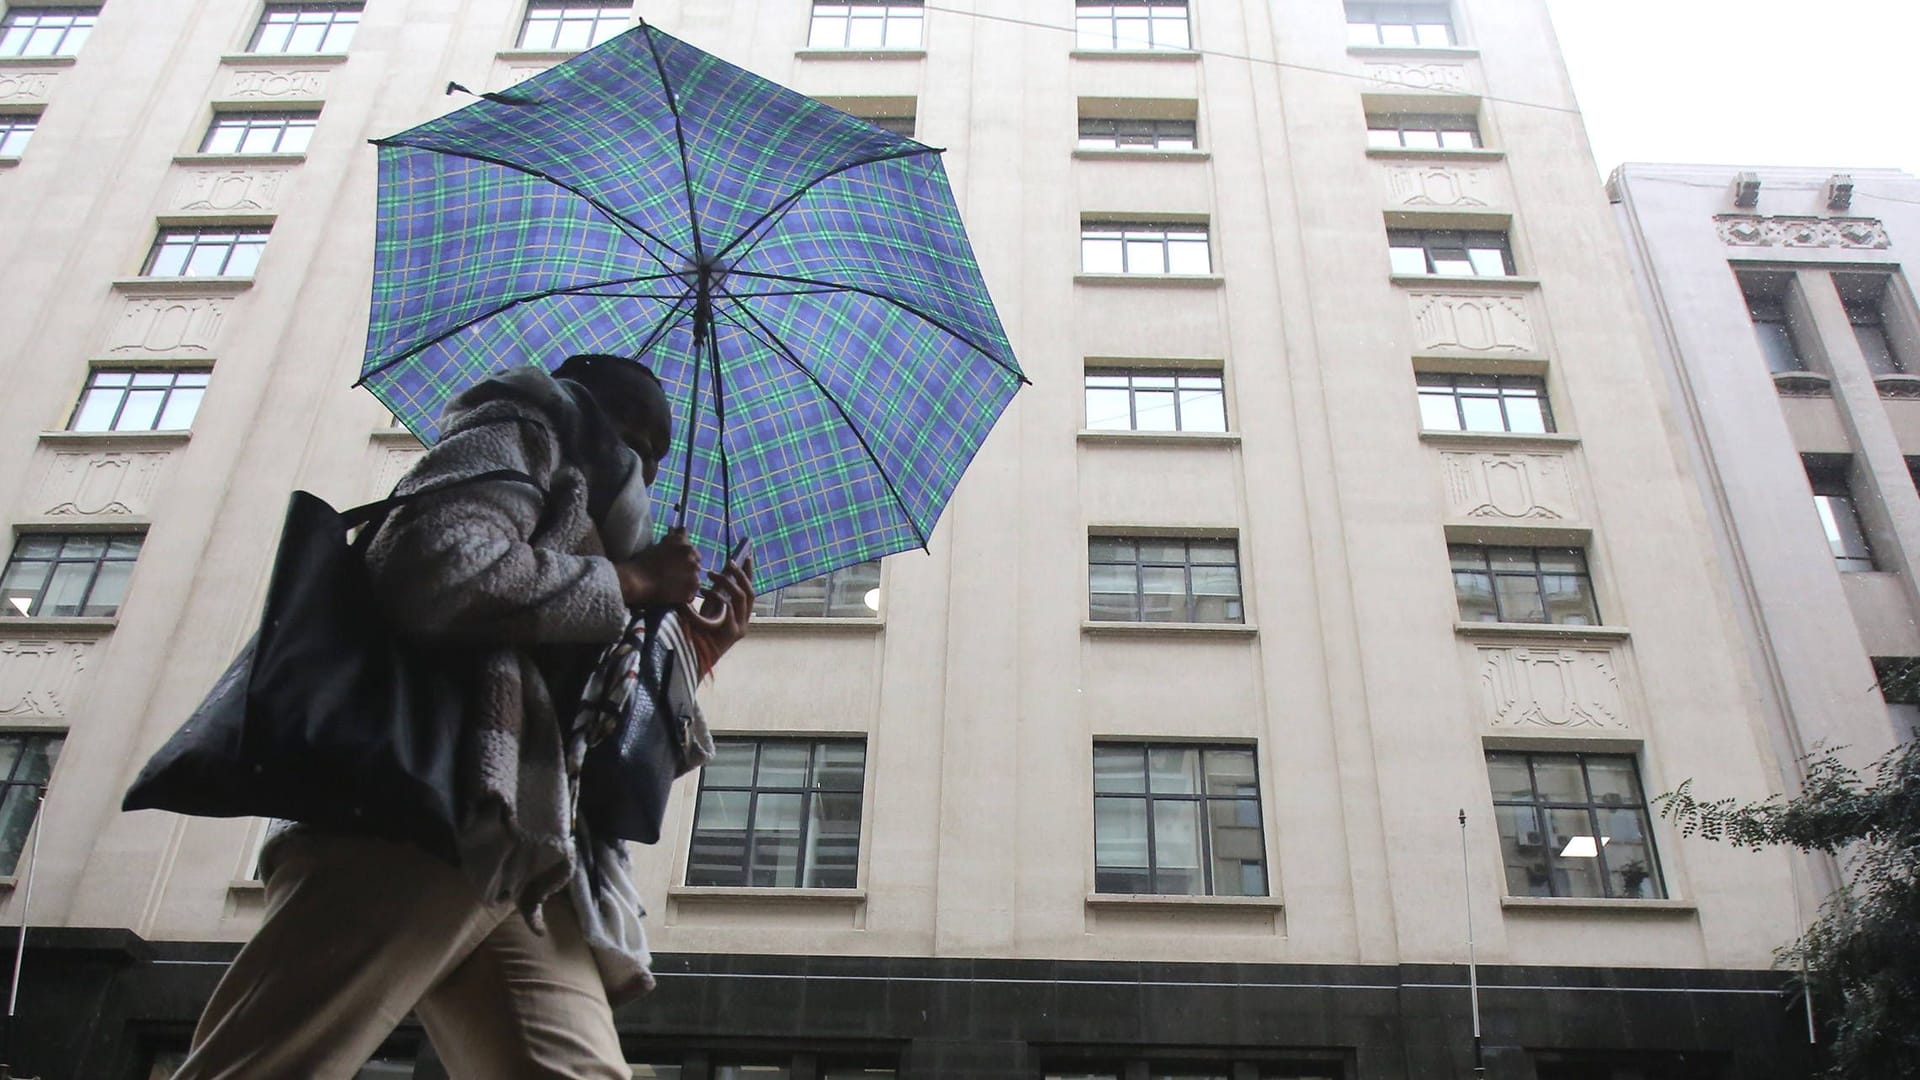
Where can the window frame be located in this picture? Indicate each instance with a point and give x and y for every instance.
(126, 393)
(1158, 129)
(1440, 123)
(74, 16)
(111, 551)
(1432, 241)
(890, 11)
(1165, 233)
(1140, 566)
(1832, 489)
(13, 784)
(333, 9)
(832, 577)
(603, 15)
(238, 241)
(1450, 382)
(247, 122)
(1408, 12)
(1539, 576)
(1203, 798)
(807, 791)
(16, 133)
(1592, 806)
(1111, 41)
(1178, 391)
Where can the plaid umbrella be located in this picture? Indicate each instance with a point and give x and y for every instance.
(799, 279)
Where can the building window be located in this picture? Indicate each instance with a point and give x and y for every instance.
(779, 813)
(305, 28)
(560, 25)
(15, 130)
(139, 401)
(867, 24)
(1125, 248)
(1427, 25)
(1423, 131)
(1513, 403)
(212, 251)
(1163, 579)
(68, 575)
(1523, 585)
(260, 133)
(1777, 339)
(1870, 330)
(1839, 517)
(1132, 24)
(851, 592)
(1573, 825)
(1450, 251)
(26, 761)
(1100, 134)
(902, 126)
(1125, 400)
(1177, 819)
(36, 32)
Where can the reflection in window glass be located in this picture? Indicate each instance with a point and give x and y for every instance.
(206, 252)
(852, 592)
(1122, 248)
(1406, 25)
(1141, 400)
(68, 575)
(867, 24)
(1423, 131)
(1177, 819)
(139, 401)
(1573, 825)
(1113, 134)
(1132, 24)
(260, 133)
(305, 28)
(1450, 252)
(49, 31)
(779, 813)
(1840, 518)
(572, 25)
(1163, 579)
(1523, 585)
(16, 130)
(1510, 403)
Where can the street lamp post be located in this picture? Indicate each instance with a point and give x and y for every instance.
(1473, 970)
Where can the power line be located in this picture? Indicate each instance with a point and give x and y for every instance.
(1334, 72)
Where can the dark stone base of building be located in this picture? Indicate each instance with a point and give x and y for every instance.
(106, 1005)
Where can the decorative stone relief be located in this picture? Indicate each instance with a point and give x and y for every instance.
(1438, 185)
(1509, 487)
(1474, 324)
(1747, 230)
(266, 84)
(38, 677)
(1560, 688)
(1419, 76)
(167, 326)
(393, 463)
(102, 484)
(26, 87)
(229, 190)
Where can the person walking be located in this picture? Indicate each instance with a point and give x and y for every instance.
(514, 959)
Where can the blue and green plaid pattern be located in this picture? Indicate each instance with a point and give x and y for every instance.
(860, 363)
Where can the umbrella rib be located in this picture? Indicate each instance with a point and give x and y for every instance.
(491, 312)
(620, 221)
(772, 341)
(831, 286)
(788, 202)
(680, 138)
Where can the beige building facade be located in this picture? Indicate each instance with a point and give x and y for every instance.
(1345, 498)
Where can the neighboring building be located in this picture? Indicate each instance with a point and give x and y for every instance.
(1343, 499)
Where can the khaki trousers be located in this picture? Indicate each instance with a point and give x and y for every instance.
(359, 931)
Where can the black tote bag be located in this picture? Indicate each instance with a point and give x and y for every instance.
(626, 777)
(328, 716)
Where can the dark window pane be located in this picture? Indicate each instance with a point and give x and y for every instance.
(1120, 844)
(777, 821)
(1119, 768)
(1176, 848)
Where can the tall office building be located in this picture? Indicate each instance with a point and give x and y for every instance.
(1343, 502)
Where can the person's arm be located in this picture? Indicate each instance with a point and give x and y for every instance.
(463, 565)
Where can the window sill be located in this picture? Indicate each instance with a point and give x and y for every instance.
(9, 161)
(238, 159)
(14, 63)
(1597, 904)
(1187, 281)
(1467, 281)
(183, 286)
(860, 54)
(553, 56)
(1534, 631)
(1897, 386)
(791, 624)
(741, 894)
(1809, 383)
(1432, 153)
(1098, 627)
(118, 439)
(1167, 438)
(1090, 153)
(1135, 54)
(276, 59)
(37, 626)
(247, 886)
(1173, 901)
(1424, 52)
(396, 435)
(1500, 440)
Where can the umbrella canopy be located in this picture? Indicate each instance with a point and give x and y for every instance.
(799, 279)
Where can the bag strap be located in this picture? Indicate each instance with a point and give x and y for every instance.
(374, 511)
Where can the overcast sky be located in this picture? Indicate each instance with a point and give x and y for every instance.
(1827, 83)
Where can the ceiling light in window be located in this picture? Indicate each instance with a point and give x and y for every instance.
(872, 599)
(21, 604)
(1583, 847)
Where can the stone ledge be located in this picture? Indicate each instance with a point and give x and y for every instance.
(1548, 631)
(1464, 281)
(738, 894)
(39, 627)
(253, 60)
(1434, 153)
(1135, 54)
(1163, 438)
(1597, 904)
(860, 54)
(1500, 440)
(791, 624)
(1097, 628)
(117, 439)
(1182, 281)
(1088, 153)
(1148, 900)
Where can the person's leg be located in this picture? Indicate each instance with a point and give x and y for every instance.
(524, 1006)
(356, 930)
